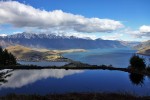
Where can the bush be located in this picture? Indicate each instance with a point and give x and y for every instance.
(137, 62)
(148, 68)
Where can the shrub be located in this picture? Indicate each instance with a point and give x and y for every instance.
(148, 68)
(137, 62)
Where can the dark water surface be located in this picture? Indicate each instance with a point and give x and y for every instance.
(63, 81)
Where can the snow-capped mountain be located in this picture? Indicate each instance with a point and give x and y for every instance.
(3, 35)
(52, 41)
(36, 35)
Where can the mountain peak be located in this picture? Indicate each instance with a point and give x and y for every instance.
(99, 39)
(52, 41)
(41, 35)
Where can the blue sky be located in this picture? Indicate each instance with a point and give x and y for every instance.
(132, 14)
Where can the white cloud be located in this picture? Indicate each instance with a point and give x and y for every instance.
(115, 36)
(21, 15)
(81, 35)
(144, 29)
(142, 32)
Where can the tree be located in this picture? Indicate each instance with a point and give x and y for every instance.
(12, 59)
(137, 62)
(1, 54)
(6, 58)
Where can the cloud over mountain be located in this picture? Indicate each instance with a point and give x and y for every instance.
(21, 15)
(143, 31)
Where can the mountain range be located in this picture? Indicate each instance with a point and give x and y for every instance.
(52, 41)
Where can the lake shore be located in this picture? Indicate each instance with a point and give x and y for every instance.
(76, 96)
(77, 66)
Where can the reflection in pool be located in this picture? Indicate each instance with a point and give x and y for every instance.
(63, 81)
(3, 75)
(21, 78)
(137, 79)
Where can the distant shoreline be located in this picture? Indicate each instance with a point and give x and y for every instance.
(76, 66)
(143, 54)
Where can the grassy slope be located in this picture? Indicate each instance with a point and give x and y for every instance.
(143, 48)
(145, 51)
(29, 54)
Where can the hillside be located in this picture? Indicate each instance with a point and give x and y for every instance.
(143, 45)
(143, 48)
(144, 51)
(130, 43)
(28, 54)
(52, 41)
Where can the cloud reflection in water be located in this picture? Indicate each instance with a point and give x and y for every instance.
(21, 78)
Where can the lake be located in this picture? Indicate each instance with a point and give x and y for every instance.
(64, 81)
(112, 56)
